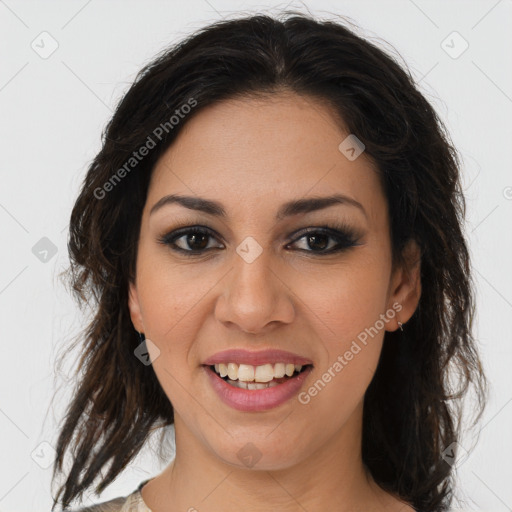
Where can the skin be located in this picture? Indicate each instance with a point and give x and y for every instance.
(252, 155)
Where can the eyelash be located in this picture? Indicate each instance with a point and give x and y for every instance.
(345, 237)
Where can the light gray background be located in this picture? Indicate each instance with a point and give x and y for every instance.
(53, 111)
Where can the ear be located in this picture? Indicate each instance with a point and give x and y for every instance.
(134, 307)
(405, 285)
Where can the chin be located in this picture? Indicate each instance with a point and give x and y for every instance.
(259, 450)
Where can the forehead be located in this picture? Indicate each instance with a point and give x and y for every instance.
(259, 151)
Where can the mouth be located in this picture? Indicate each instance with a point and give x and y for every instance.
(250, 377)
(256, 381)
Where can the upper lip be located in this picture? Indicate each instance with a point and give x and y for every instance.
(256, 358)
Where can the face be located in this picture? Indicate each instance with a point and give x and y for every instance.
(315, 282)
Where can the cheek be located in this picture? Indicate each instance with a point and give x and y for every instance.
(347, 299)
(173, 298)
(169, 296)
(168, 312)
(349, 310)
(351, 348)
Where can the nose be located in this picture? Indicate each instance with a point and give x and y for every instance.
(255, 298)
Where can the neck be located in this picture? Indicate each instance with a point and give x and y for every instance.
(332, 478)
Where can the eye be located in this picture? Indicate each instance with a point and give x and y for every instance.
(318, 239)
(194, 241)
(188, 240)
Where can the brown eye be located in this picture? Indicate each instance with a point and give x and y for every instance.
(194, 241)
(318, 240)
(189, 240)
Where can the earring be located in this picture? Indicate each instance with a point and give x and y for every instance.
(141, 336)
(400, 325)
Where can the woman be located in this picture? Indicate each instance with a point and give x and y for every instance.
(272, 238)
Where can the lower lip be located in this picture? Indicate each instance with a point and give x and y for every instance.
(256, 399)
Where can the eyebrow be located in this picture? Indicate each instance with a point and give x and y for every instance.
(296, 207)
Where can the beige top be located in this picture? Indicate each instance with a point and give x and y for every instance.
(131, 503)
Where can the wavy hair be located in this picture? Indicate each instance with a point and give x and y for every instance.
(412, 408)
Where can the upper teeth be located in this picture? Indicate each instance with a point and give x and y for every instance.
(263, 373)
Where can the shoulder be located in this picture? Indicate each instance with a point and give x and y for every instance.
(133, 502)
(115, 505)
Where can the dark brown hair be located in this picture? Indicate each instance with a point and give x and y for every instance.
(412, 407)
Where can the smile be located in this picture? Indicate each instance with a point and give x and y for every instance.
(246, 376)
(253, 396)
